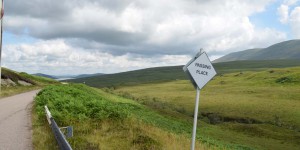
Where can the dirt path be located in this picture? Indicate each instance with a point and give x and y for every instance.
(15, 122)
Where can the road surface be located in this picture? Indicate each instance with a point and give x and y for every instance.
(15, 122)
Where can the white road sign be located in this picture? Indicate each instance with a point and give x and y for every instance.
(201, 70)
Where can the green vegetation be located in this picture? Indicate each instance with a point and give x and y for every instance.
(72, 103)
(259, 109)
(16, 78)
(255, 109)
(253, 65)
(165, 74)
(106, 121)
(39, 80)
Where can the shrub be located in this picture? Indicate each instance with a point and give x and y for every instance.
(284, 80)
(78, 102)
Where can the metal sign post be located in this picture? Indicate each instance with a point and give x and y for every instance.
(195, 118)
(200, 71)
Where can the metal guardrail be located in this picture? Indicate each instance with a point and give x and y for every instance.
(59, 136)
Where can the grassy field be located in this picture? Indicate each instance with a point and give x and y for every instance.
(164, 74)
(258, 109)
(35, 81)
(240, 110)
(105, 121)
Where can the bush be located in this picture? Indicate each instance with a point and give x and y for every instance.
(284, 80)
(78, 102)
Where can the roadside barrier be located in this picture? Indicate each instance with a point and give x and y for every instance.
(59, 136)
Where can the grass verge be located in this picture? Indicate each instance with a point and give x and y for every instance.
(105, 121)
(9, 91)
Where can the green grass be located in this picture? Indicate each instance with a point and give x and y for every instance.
(9, 91)
(165, 74)
(38, 79)
(239, 110)
(270, 99)
(106, 121)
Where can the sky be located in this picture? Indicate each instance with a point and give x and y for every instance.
(63, 37)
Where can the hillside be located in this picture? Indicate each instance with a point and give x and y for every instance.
(162, 74)
(13, 82)
(158, 74)
(105, 121)
(284, 50)
(249, 110)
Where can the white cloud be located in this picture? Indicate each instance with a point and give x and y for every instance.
(295, 22)
(131, 19)
(114, 32)
(56, 57)
(290, 2)
(138, 24)
(283, 12)
(291, 16)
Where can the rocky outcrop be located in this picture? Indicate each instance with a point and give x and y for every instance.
(10, 83)
(7, 82)
(24, 83)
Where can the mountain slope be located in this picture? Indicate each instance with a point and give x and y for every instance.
(163, 74)
(284, 50)
(134, 77)
(241, 55)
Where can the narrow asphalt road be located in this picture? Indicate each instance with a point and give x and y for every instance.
(15, 121)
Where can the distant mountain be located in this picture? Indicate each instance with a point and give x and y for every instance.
(64, 77)
(45, 75)
(88, 75)
(284, 50)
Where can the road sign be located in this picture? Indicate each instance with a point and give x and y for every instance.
(201, 70)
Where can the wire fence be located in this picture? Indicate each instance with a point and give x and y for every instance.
(59, 136)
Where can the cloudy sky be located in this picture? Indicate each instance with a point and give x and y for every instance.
(108, 36)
